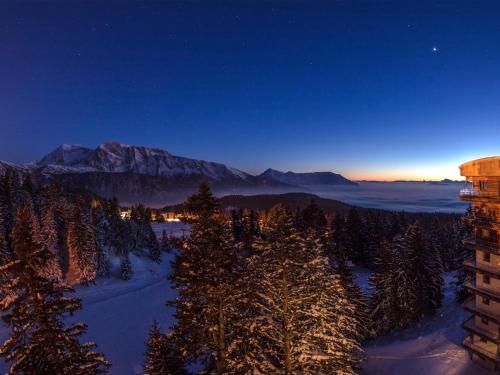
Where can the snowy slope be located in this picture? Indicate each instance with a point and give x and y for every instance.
(119, 314)
(431, 348)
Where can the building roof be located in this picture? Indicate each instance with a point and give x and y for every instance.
(485, 167)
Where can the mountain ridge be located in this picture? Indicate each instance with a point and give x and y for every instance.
(150, 175)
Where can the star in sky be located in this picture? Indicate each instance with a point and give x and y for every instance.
(434, 49)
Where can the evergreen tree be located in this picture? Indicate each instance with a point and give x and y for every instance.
(355, 241)
(294, 326)
(426, 269)
(125, 268)
(9, 198)
(82, 247)
(50, 231)
(203, 203)
(101, 227)
(313, 218)
(205, 274)
(34, 307)
(161, 354)
(165, 244)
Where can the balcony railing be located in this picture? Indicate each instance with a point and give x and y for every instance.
(467, 342)
(471, 306)
(472, 264)
(482, 244)
(469, 192)
(470, 325)
(494, 294)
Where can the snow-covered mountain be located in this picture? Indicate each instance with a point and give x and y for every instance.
(305, 179)
(115, 157)
(152, 175)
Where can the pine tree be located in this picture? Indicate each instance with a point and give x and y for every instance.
(125, 268)
(9, 199)
(161, 354)
(205, 274)
(34, 306)
(426, 268)
(154, 249)
(82, 247)
(203, 203)
(294, 327)
(165, 244)
(384, 298)
(101, 227)
(313, 218)
(50, 231)
(355, 241)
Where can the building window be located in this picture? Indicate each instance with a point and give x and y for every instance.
(486, 257)
(483, 185)
(486, 279)
(483, 340)
(484, 321)
(486, 301)
(485, 233)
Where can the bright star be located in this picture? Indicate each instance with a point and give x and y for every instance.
(434, 49)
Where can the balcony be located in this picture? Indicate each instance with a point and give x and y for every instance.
(494, 294)
(471, 326)
(483, 245)
(488, 350)
(471, 194)
(482, 268)
(470, 305)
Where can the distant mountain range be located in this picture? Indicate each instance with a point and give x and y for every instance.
(154, 176)
(305, 179)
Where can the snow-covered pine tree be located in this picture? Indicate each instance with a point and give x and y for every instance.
(393, 300)
(50, 230)
(101, 228)
(301, 321)
(204, 274)
(154, 248)
(118, 238)
(165, 244)
(34, 306)
(9, 198)
(82, 247)
(384, 300)
(161, 354)
(125, 268)
(354, 292)
(426, 269)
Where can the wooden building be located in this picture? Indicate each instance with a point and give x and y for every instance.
(482, 190)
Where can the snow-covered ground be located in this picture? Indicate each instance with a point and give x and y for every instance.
(119, 314)
(430, 348)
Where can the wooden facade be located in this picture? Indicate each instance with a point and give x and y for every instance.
(482, 190)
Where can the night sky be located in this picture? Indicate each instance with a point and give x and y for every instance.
(370, 89)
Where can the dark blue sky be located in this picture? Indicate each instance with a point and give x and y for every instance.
(347, 86)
